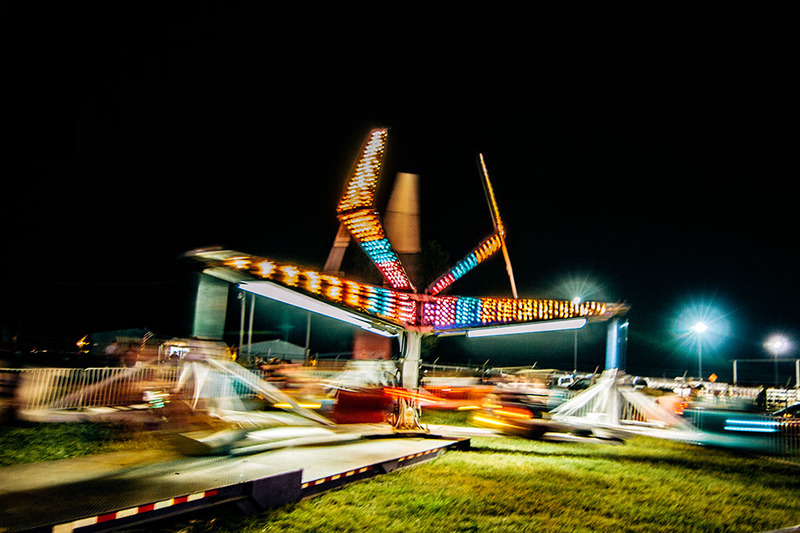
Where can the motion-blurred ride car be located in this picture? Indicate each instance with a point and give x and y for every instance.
(793, 411)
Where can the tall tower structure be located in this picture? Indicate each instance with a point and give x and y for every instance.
(402, 223)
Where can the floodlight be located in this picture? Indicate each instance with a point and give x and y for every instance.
(777, 344)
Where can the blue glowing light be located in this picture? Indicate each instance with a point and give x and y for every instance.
(464, 266)
(468, 311)
(752, 426)
(379, 251)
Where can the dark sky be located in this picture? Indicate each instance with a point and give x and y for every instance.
(657, 167)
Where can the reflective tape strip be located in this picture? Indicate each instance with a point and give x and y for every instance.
(334, 477)
(328, 479)
(420, 454)
(132, 511)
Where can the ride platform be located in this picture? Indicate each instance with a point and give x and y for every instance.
(124, 489)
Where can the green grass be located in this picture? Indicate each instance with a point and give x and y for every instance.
(31, 443)
(446, 417)
(506, 484)
(509, 484)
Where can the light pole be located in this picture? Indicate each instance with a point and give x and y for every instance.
(776, 345)
(576, 302)
(699, 328)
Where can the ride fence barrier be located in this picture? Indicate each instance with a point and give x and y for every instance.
(778, 398)
(50, 389)
(76, 388)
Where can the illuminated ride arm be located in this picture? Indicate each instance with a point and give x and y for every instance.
(479, 254)
(357, 212)
(385, 309)
(485, 249)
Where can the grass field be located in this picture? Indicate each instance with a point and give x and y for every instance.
(30, 442)
(511, 484)
(508, 484)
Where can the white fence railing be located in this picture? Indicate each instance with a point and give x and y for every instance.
(76, 388)
(780, 398)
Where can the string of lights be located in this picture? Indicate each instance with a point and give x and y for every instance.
(410, 310)
(356, 212)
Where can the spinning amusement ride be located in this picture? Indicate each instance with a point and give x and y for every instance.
(398, 308)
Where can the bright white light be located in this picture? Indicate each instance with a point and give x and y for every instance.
(703, 323)
(583, 285)
(532, 327)
(777, 344)
(288, 296)
(576, 301)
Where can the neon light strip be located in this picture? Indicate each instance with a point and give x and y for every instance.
(753, 422)
(498, 222)
(752, 426)
(535, 327)
(751, 430)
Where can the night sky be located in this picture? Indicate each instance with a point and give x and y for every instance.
(657, 172)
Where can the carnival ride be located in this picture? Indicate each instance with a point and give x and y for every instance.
(398, 309)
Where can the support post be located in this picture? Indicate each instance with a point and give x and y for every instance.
(308, 338)
(211, 305)
(402, 223)
(243, 298)
(735, 372)
(411, 353)
(616, 344)
(250, 325)
(575, 353)
(797, 373)
(700, 359)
